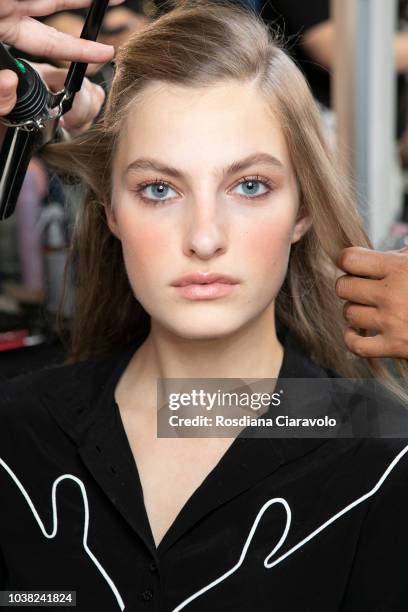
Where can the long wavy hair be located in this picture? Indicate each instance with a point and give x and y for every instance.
(200, 43)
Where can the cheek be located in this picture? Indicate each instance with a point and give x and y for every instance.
(266, 245)
(144, 251)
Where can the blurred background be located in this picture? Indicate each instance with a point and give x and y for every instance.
(354, 54)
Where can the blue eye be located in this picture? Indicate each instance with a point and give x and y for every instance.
(159, 189)
(252, 187)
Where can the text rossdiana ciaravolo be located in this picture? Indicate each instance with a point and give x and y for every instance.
(247, 421)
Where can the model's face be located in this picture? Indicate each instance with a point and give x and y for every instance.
(202, 215)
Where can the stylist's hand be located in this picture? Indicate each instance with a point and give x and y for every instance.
(18, 29)
(87, 102)
(376, 289)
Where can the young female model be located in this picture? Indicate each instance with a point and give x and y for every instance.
(209, 160)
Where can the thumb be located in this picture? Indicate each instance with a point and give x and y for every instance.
(8, 91)
(85, 108)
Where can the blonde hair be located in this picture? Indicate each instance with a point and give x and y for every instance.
(200, 43)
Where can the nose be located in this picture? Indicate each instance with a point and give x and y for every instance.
(205, 232)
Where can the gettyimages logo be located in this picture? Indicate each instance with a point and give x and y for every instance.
(254, 401)
(297, 407)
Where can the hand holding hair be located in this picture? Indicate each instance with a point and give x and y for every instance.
(376, 289)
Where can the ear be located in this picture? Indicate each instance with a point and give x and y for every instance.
(111, 219)
(301, 227)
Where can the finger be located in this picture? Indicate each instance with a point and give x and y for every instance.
(85, 108)
(360, 261)
(362, 317)
(366, 346)
(39, 8)
(39, 39)
(359, 290)
(8, 91)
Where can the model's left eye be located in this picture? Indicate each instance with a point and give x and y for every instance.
(251, 187)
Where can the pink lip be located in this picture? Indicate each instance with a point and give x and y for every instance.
(201, 278)
(206, 291)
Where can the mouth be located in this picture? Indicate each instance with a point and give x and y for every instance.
(206, 291)
(203, 285)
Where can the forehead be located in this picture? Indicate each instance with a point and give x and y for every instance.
(215, 122)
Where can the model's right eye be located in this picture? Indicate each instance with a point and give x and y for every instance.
(154, 191)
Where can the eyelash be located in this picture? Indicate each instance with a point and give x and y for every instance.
(159, 181)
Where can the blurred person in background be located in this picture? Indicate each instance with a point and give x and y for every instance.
(310, 34)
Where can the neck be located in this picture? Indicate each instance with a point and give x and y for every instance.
(252, 352)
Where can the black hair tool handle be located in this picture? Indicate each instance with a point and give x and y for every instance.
(17, 149)
(77, 70)
(32, 93)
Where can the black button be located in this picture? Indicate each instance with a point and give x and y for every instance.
(152, 566)
(147, 595)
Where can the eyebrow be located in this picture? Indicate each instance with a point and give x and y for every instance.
(147, 163)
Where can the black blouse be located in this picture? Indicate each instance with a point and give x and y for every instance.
(313, 524)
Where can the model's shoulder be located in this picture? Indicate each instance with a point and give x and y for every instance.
(24, 392)
(367, 406)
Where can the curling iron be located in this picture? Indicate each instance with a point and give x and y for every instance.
(34, 121)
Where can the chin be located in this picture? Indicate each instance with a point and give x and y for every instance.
(203, 328)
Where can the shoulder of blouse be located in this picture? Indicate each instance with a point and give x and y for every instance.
(23, 398)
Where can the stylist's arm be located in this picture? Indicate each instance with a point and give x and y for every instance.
(376, 289)
(19, 29)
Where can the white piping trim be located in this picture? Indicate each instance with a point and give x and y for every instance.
(282, 501)
(55, 521)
